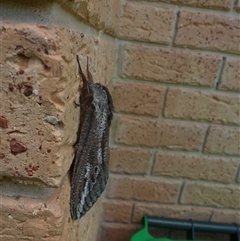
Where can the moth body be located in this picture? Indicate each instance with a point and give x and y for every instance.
(90, 173)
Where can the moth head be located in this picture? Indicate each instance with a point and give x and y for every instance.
(99, 94)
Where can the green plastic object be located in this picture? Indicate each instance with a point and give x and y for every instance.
(143, 234)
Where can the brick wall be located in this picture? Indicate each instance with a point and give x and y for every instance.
(38, 118)
(175, 138)
(173, 70)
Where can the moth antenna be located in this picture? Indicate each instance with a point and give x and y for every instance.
(89, 75)
(80, 71)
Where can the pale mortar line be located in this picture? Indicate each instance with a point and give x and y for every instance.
(175, 179)
(179, 120)
(205, 138)
(180, 49)
(118, 60)
(119, 200)
(175, 27)
(220, 73)
(151, 178)
(236, 177)
(175, 151)
(211, 215)
(132, 211)
(218, 208)
(152, 162)
(161, 116)
(182, 205)
(113, 83)
(212, 11)
(180, 192)
(143, 202)
(121, 54)
(153, 83)
(112, 133)
(180, 180)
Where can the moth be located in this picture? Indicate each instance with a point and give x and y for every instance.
(90, 170)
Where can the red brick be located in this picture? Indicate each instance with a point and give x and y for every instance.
(145, 22)
(138, 99)
(116, 211)
(143, 189)
(223, 140)
(202, 106)
(44, 57)
(117, 232)
(170, 211)
(130, 161)
(226, 216)
(231, 73)
(208, 31)
(208, 168)
(208, 194)
(158, 133)
(170, 66)
(213, 4)
(46, 218)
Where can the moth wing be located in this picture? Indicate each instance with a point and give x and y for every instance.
(90, 172)
(110, 101)
(82, 167)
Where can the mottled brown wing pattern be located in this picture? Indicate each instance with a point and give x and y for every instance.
(90, 173)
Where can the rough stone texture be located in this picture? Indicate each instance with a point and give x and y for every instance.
(214, 4)
(117, 232)
(46, 219)
(169, 66)
(202, 106)
(129, 161)
(170, 211)
(143, 189)
(226, 216)
(94, 12)
(208, 31)
(138, 99)
(116, 211)
(145, 22)
(231, 73)
(157, 133)
(207, 194)
(188, 166)
(223, 140)
(39, 78)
